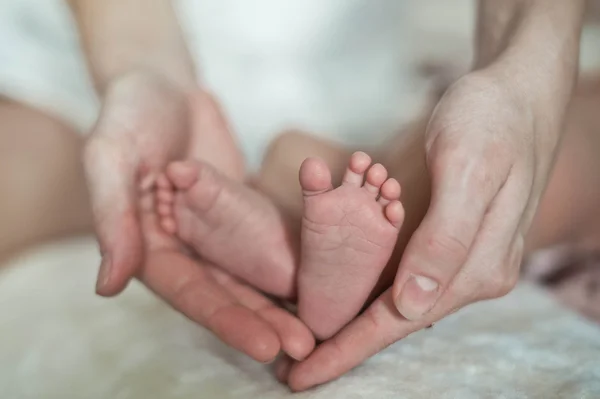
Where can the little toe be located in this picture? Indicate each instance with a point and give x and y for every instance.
(390, 191)
(376, 176)
(165, 196)
(147, 202)
(164, 209)
(163, 182)
(358, 165)
(182, 174)
(394, 212)
(147, 183)
(315, 176)
(168, 224)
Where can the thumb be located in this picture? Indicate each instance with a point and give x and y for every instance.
(111, 178)
(141, 124)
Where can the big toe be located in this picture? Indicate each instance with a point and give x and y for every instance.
(315, 176)
(183, 174)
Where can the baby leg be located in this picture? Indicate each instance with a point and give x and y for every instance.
(44, 195)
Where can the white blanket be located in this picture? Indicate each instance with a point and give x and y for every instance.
(58, 340)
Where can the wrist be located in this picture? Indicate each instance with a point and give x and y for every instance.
(536, 25)
(116, 46)
(538, 58)
(147, 80)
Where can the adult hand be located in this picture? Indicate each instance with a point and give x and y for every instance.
(489, 153)
(490, 147)
(144, 124)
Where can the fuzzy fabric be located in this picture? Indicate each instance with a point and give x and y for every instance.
(61, 341)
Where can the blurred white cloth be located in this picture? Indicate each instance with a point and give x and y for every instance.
(40, 61)
(58, 340)
(345, 69)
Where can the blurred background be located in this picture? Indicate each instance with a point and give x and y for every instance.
(303, 64)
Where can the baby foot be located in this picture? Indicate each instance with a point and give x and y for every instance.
(236, 313)
(228, 224)
(348, 235)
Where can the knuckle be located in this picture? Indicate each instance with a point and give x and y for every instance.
(185, 298)
(485, 174)
(377, 317)
(504, 287)
(447, 246)
(453, 156)
(481, 176)
(510, 283)
(374, 316)
(337, 349)
(499, 283)
(479, 171)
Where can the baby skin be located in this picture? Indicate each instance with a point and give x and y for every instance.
(348, 233)
(228, 224)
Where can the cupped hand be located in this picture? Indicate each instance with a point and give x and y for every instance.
(236, 313)
(490, 149)
(144, 124)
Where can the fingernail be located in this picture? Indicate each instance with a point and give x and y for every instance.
(103, 274)
(417, 297)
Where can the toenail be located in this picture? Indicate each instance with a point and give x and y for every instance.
(417, 298)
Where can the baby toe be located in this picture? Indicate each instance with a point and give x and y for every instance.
(358, 165)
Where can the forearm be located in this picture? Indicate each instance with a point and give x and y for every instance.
(534, 43)
(120, 37)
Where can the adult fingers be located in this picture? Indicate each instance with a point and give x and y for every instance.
(463, 186)
(374, 330)
(111, 181)
(296, 338)
(379, 326)
(490, 271)
(493, 264)
(143, 124)
(191, 289)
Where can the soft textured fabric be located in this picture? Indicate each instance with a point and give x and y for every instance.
(60, 341)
